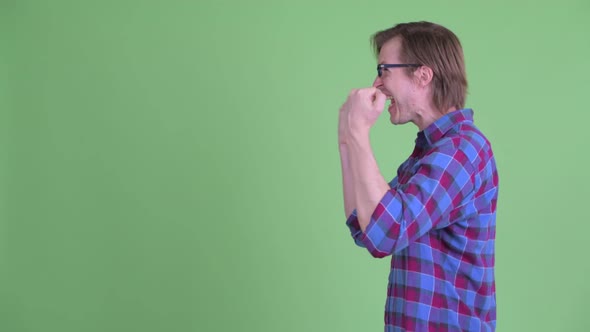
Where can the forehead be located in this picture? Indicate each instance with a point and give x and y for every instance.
(390, 51)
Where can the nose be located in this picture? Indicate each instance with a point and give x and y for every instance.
(377, 83)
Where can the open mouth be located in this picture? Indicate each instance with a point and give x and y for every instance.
(391, 100)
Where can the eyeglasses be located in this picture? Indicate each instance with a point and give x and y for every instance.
(396, 65)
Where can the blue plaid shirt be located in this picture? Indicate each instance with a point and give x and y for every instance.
(437, 222)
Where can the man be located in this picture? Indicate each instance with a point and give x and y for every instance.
(437, 217)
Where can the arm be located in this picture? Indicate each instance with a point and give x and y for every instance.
(362, 182)
(349, 197)
(368, 100)
(369, 184)
(347, 185)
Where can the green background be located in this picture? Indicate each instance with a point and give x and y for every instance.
(173, 165)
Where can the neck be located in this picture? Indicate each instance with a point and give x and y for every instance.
(427, 115)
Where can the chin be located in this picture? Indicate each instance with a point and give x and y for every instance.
(396, 121)
(393, 119)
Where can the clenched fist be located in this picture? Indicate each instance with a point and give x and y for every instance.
(359, 113)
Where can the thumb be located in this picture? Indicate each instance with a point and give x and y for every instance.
(379, 100)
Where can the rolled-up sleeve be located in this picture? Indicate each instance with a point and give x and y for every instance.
(443, 180)
(355, 229)
(353, 223)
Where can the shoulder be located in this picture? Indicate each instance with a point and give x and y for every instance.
(467, 141)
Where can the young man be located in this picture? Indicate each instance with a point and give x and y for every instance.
(437, 217)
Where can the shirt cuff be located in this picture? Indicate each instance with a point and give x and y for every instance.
(377, 237)
(355, 229)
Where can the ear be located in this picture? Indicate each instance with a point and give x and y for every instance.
(424, 75)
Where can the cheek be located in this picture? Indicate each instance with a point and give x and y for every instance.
(397, 86)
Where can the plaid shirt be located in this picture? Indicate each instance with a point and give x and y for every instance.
(438, 223)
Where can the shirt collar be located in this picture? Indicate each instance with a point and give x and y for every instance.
(442, 125)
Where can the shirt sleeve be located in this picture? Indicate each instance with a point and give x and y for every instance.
(353, 223)
(443, 180)
(355, 229)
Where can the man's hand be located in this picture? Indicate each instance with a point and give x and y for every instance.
(359, 113)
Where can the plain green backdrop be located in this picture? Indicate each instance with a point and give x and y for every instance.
(173, 165)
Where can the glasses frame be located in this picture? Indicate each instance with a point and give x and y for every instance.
(382, 66)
